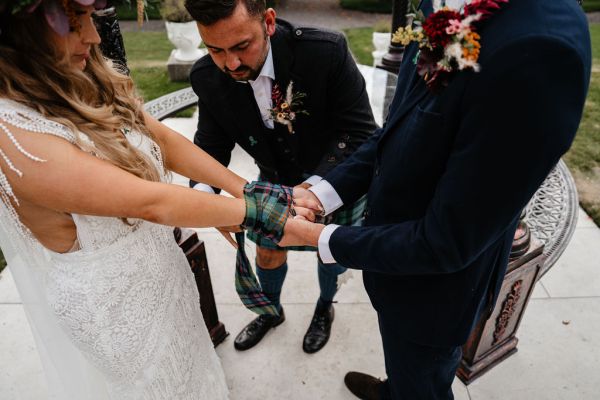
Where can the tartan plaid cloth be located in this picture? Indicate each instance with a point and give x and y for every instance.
(348, 215)
(246, 284)
(267, 209)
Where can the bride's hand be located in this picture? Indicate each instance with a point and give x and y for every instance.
(300, 232)
(226, 232)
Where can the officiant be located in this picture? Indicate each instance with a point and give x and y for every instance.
(293, 98)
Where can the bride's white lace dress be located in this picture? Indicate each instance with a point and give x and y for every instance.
(119, 318)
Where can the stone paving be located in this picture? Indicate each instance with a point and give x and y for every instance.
(559, 348)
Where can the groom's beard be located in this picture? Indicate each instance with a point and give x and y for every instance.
(242, 73)
(245, 72)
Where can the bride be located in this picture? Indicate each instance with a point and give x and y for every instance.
(86, 213)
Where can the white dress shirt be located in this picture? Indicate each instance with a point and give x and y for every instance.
(262, 87)
(331, 201)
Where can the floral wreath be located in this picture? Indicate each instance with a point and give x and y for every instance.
(60, 14)
(448, 40)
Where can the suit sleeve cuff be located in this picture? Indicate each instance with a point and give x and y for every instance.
(203, 187)
(324, 250)
(329, 198)
(313, 180)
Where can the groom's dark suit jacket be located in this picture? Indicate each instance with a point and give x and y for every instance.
(339, 121)
(448, 174)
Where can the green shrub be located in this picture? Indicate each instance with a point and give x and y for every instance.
(382, 26)
(591, 5)
(374, 6)
(126, 10)
(174, 11)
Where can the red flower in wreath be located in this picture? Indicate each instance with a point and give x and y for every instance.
(435, 27)
(484, 7)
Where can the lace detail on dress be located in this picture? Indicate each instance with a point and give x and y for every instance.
(132, 309)
(127, 299)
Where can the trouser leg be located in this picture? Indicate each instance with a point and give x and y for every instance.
(415, 371)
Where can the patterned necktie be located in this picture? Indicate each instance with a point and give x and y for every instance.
(267, 209)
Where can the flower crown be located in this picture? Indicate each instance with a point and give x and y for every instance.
(59, 14)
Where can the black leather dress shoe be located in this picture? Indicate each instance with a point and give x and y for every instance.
(319, 330)
(363, 386)
(256, 330)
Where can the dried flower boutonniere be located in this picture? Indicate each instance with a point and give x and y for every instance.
(448, 40)
(286, 109)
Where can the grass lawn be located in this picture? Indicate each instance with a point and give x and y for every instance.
(361, 45)
(584, 157)
(147, 54)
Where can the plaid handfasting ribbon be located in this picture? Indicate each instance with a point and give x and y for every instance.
(267, 209)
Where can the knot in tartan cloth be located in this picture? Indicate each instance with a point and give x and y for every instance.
(267, 209)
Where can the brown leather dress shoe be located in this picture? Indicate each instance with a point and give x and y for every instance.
(363, 386)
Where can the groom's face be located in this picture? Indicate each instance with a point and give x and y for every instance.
(238, 44)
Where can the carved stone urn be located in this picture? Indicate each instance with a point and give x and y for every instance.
(186, 39)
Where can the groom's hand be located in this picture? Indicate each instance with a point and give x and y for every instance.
(307, 199)
(300, 232)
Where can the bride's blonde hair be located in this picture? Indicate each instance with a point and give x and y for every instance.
(99, 101)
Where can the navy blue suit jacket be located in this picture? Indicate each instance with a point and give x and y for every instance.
(448, 174)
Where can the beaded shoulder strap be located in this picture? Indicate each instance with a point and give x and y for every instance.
(23, 117)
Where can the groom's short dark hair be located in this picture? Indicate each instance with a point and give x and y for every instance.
(207, 12)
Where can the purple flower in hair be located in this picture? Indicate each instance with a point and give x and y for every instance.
(54, 12)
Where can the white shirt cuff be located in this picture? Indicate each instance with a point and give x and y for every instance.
(203, 187)
(324, 250)
(327, 195)
(313, 180)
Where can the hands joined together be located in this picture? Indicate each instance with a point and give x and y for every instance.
(300, 228)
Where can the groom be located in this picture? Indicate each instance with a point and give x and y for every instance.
(253, 62)
(446, 180)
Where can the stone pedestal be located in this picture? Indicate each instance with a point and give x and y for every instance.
(179, 71)
(196, 255)
(493, 339)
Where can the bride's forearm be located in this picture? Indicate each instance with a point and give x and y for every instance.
(194, 163)
(184, 207)
(187, 159)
